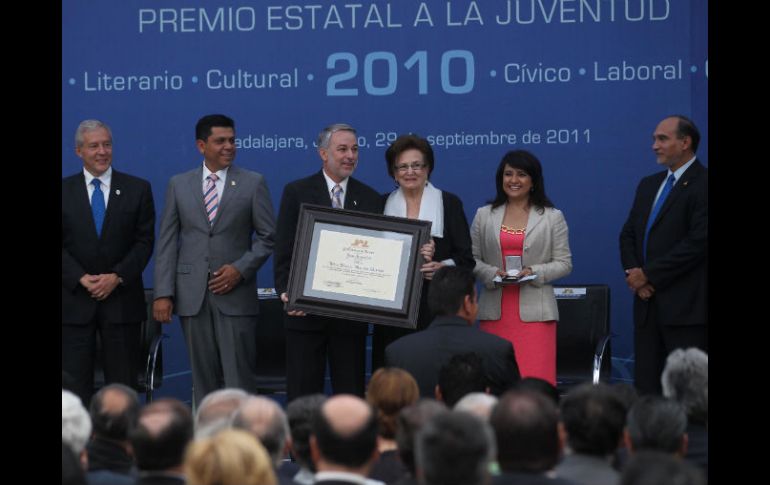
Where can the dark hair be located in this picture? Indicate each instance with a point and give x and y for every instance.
(454, 449)
(163, 449)
(411, 420)
(539, 385)
(594, 417)
(656, 423)
(114, 424)
(301, 412)
(526, 427)
(685, 127)
(205, 124)
(523, 160)
(408, 142)
(353, 450)
(657, 468)
(463, 374)
(448, 289)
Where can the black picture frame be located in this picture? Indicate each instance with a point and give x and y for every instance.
(316, 271)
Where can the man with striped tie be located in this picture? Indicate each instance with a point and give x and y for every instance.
(216, 231)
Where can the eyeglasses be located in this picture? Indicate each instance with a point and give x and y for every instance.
(417, 167)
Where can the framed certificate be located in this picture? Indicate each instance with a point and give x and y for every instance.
(357, 266)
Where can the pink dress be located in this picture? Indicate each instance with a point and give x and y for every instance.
(534, 343)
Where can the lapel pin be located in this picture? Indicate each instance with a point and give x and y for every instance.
(684, 184)
(232, 182)
(117, 191)
(355, 203)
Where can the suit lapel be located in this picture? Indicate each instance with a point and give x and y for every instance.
(680, 187)
(114, 200)
(230, 190)
(79, 193)
(535, 217)
(320, 194)
(195, 183)
(496, 216)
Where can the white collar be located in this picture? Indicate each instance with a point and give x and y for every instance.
(431, 207)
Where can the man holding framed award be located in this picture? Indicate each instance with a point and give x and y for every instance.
(311, 338)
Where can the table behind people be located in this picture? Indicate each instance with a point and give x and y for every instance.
(410, 161)
(310, 339)
(522, 221)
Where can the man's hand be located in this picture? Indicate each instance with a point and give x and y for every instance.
(162, 308)
(428, 269)
(645, 292)
(293, 313)
(635, 279)
(100, 286)
(224, 279)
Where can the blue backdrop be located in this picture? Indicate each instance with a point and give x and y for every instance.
(580, 83)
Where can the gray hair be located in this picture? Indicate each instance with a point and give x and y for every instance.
(264, 418)
(75, 422)
(89, 125)
(326, 134)
(216, 410)
(477, 403)
(686, 379)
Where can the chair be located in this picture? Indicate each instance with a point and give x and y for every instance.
(582, 335)
(271, 344)
(149, 373)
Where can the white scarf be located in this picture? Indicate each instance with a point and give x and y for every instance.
(431, 207)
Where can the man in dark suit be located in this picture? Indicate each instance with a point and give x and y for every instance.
(310, 338)
(215, 233)
(343, 444)
(452, 298)
(664, 251)
(104, 251)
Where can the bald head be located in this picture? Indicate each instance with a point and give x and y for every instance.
(164, 430)
(345, 432)
(114, 411)
(216, 410)
(265, 419)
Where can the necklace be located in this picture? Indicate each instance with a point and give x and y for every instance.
(512, 230)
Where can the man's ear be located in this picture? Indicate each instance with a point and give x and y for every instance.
(315, 453)
(437, 394)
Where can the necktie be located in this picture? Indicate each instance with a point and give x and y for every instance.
(210, 197)
(336, 197)
(97, 205)
(656, 208)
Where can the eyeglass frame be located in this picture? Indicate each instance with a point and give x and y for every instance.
(416, 167)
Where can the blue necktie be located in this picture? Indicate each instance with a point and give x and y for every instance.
(97, 205)
(658, 204)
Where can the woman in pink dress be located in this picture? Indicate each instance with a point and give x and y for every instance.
(521, 221)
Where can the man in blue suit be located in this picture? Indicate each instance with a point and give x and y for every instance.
(664, 252)
(108, 219)
(215, 233)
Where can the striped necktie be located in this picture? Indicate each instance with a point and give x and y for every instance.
(336, 197)
(210, 197)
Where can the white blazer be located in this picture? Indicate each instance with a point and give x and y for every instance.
(546, 251)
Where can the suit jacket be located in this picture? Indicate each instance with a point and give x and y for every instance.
(312, 190)
(189, 247)
(124, 247)
(546, 251)
(587, 470)
(676, 263)
(423, 353)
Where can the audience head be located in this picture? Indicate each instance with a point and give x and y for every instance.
(75, 423)
(453, 292)
(411, 419)
(265, 419)
(301, 413)
(593, 417)
(539, 385)
(114, 411)
(454, 449)
(230, 457)
(479, 404)
(526, 428)
(463, 374)
(658, 468)
(164, 430)
(344, 434)
(215, 411)
(657, 423)
(390, 390)
(685, 379)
